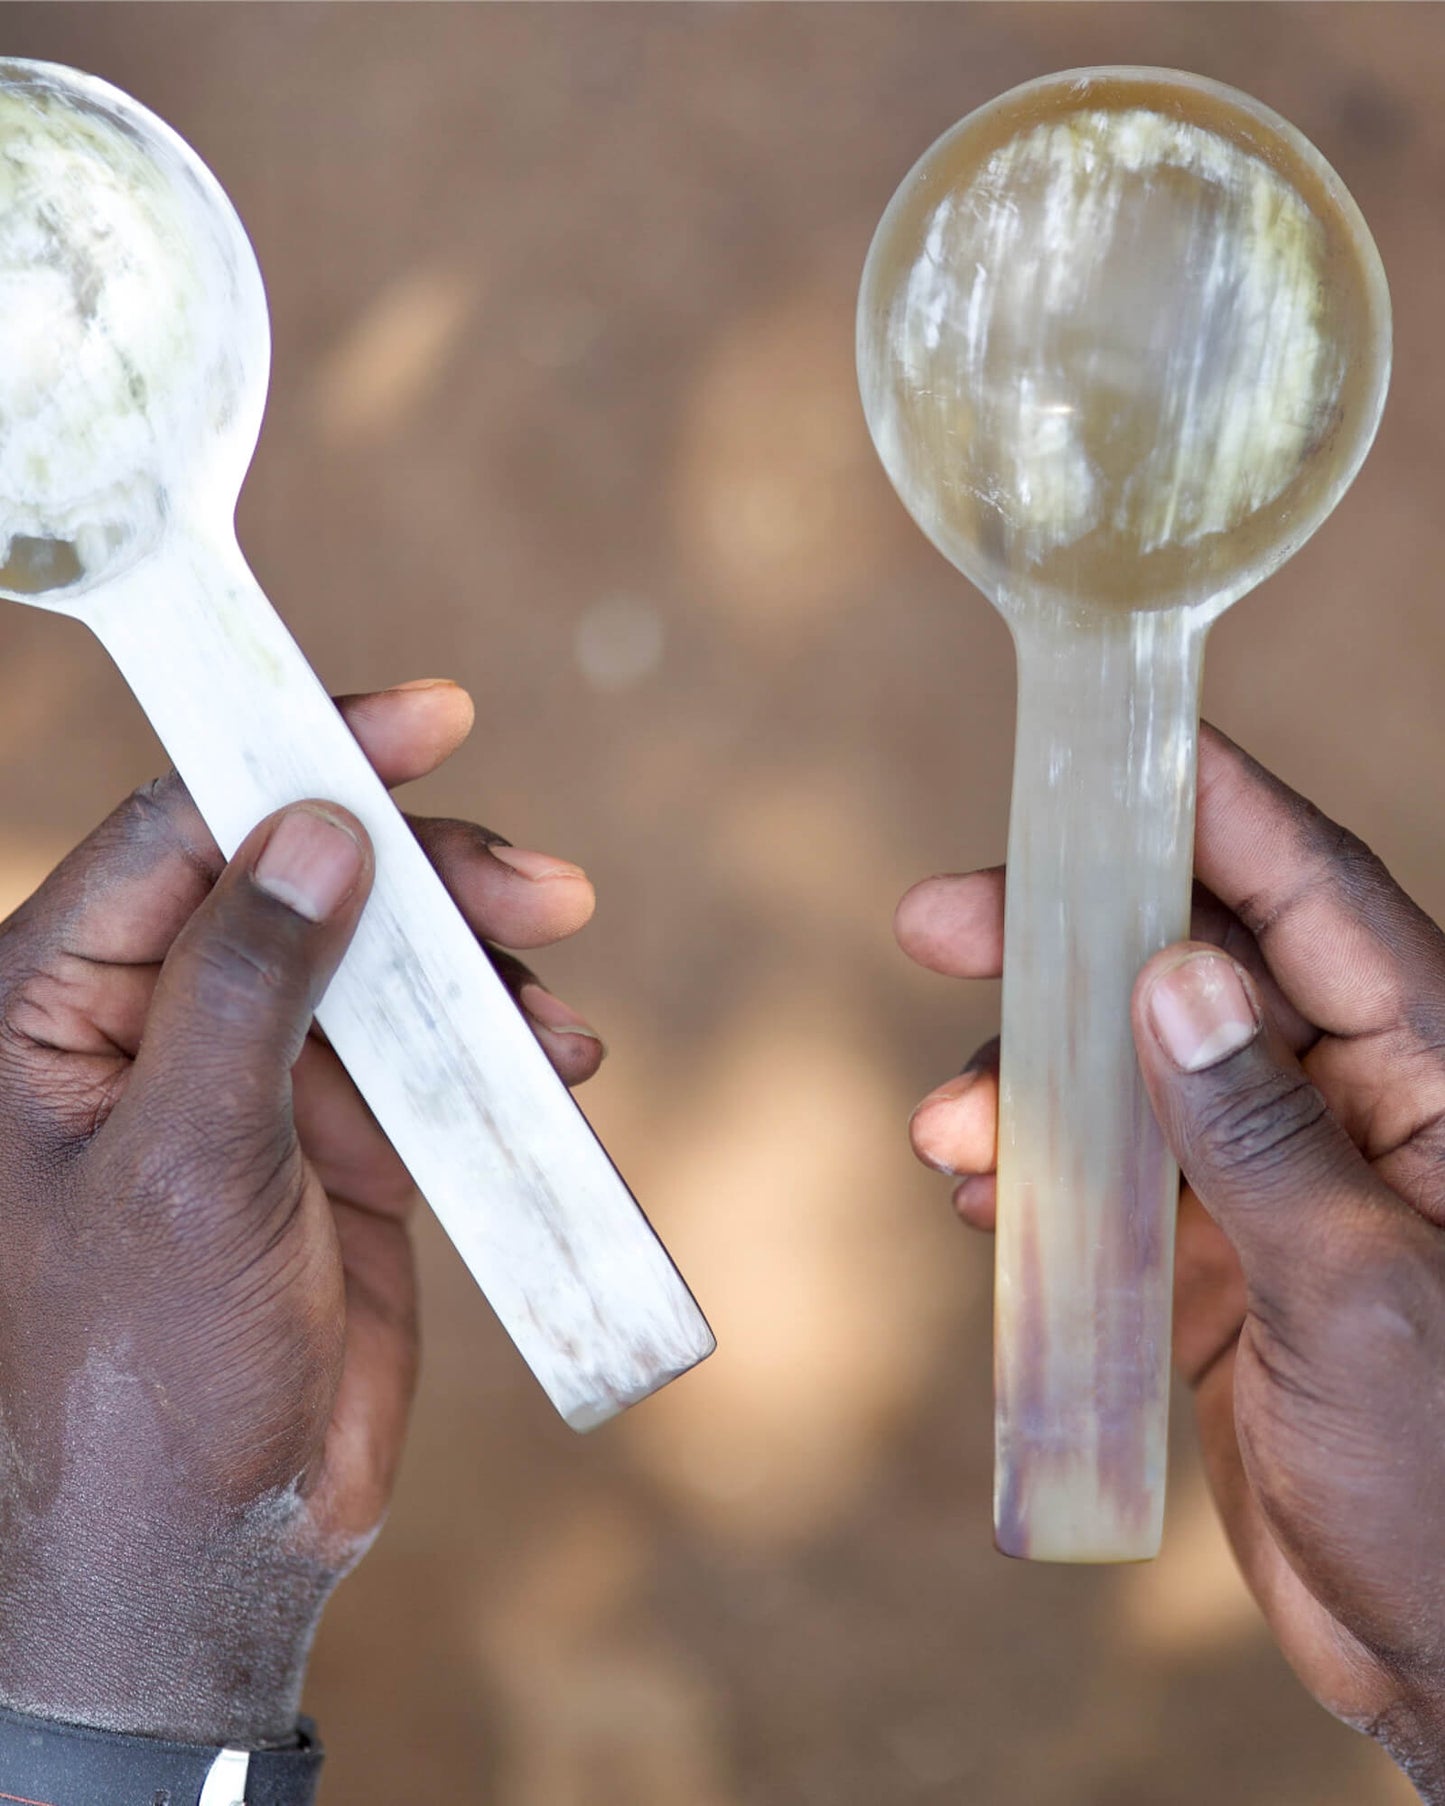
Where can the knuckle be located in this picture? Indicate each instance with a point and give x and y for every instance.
(1336, 846)
(1354, 872)
(161, 813)
(446, 833)
(1266, 1126)
(1364, 882)
(1333, 862)
(148, 812)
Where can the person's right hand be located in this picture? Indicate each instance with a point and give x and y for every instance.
(1295, 1056)
(207, 1307)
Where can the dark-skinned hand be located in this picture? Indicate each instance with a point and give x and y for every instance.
(1295, 1056)
(207, 1311)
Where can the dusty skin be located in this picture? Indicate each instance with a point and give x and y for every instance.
(529, 404)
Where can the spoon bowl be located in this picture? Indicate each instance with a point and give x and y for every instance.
(136, 354)
(136, 334)
(1123, 343)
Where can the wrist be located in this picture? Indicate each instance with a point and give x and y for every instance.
(161, 1630)
(42, 1760)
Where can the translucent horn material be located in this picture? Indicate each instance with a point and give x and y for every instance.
(1123, 343)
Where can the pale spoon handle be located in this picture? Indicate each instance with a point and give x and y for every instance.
(1100, 855)
(425, 1027)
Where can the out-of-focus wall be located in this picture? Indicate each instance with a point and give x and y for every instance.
(563, 406)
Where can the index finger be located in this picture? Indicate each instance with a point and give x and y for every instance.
(122, 896)
(1348, 948)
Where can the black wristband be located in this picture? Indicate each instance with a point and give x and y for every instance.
(45, 1763)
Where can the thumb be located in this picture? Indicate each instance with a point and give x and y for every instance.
(236, 993)
(1252, 1134)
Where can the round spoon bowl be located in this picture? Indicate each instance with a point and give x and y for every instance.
(1123, 342)
(137, 346)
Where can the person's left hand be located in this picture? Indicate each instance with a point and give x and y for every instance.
(207, 1311)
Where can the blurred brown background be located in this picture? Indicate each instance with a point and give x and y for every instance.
(563, 406)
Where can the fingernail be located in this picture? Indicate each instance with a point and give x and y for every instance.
(1201, 1011)
(536, 866)
(427, 683)
(931, 1127)
(974, 1196)
(551, 1013)
(311, 863)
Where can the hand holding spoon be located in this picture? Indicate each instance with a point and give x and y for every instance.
(134, 355)
(1123, 343)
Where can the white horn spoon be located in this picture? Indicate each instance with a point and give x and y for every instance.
(134, 357)
(1123, 342)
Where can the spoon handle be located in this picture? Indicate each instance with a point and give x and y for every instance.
(1100, 854)
(416, 1012)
